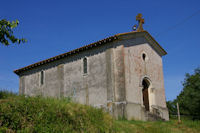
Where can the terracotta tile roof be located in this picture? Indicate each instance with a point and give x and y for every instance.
(95, 44)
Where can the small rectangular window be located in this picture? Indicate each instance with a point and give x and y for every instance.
(85, 65)
(42, 78)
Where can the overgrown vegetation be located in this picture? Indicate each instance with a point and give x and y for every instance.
(47, 115)
(36, 114)
(189, 98)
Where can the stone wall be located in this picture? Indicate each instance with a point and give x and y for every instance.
(137, 69)
(65, 78)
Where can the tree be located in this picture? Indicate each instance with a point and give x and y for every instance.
(189, 98)
(6, 32)
(171, 105)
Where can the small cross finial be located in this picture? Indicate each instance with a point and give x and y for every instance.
(140, 22)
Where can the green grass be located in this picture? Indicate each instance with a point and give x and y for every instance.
(47, 115)
(172, 126)
(36, 114)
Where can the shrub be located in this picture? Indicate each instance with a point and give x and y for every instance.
(37, 114)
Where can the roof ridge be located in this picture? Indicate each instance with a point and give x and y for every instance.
(57, 57)
(83, 48)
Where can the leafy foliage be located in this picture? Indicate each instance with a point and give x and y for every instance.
(46, 115)
(5, 94)
(36, 114)
(6, 32)
(189, 98)
(171, 105)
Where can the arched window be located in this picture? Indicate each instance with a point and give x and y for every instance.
(42, 78)
(144, 56)
(85, 65)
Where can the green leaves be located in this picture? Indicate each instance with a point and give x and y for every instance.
(6, 32)
(189, 98)
(191, 91)
(44, 115)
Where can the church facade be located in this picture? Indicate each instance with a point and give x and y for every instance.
(122, 74)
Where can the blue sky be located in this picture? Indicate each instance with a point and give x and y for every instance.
(53, 27)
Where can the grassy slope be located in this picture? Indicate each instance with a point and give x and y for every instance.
(172, 126)
(35, 114)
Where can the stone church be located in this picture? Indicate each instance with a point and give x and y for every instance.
(123, 74)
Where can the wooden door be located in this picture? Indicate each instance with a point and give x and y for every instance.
(145, 94)
(145, 98)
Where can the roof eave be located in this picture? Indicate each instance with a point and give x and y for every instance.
(146, 35)
(95, 44)
(98, 43)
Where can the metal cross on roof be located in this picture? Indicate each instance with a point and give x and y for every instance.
(140, 22)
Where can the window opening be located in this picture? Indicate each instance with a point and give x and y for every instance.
(42, 78)
(85, 65)
(144, 57)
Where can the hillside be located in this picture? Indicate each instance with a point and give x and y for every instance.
(36, 114)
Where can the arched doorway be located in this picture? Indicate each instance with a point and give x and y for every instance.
(145, 94)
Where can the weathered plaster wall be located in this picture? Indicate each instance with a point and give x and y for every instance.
(65, 78)
(51, 86)
(97, 79)
(113, 81)
(73, 80)
(31, 84)
(90, 88)
(136, 69)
